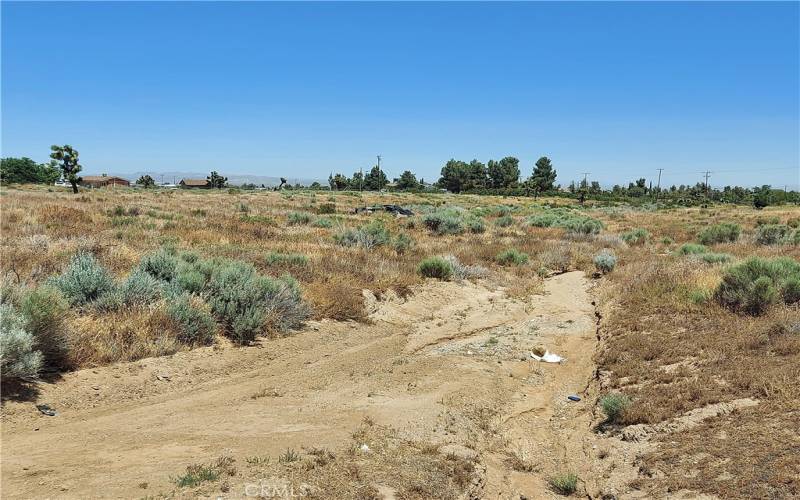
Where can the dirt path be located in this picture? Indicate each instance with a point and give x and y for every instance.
(449, 366)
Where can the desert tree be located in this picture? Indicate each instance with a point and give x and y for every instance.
(146, 181)
(407, 181)
(544, 175)
(376, 179)
(66, 158)
(216, 181)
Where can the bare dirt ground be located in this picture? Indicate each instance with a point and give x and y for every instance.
(449, 366)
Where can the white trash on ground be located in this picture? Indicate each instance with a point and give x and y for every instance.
(548, 357)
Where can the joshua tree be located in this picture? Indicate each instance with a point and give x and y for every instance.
(216, 181)
(146, 181)
(67, 159)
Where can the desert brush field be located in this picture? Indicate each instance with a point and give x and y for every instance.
(230, 343)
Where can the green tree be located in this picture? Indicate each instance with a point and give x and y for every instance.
(407, 181)
(476, 175)
(357, 181)
(376, 179)
(338, 182)
(146, 181)
(544, 175)
(454, 176)
(67, 160)
(26, 171)
(504, 173)
(216, 181)
(761, 196)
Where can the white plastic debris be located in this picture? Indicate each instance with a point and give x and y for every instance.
(548, 357)
(365, 448)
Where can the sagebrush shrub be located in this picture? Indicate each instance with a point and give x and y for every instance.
(463, 271)
(512, 256)
(637, 236)
(43, 310)
(139, 288)
(436, 267)
(772, 234)
(504, 221)
(605, 261)
(287, 259)
(614, 405)
(755, 284)
(299, 218)
(84, 280)
(720, 233)
(715, 258)
(326, 208)
(195, 323)
(161, 264)
(692, 249)
(570, 220)
(401, 243)
(564, 484)
(368, 236)
(323, 223)
(444, 221)
(18, 358)
(475, 225)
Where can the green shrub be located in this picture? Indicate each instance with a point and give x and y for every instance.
(720, 233)
(196, 324)
(766, 221)
(189, 278)
(140, 288)
(475, 225)
(287, 259)
(18, 359)
(772, 234)
(614, 405)
(368, 236)
(564, 484)
(402, 243)
(43, 310)
(84, 280)
(323, 222)
(248, 304)
(161, 265)
(445, 221)
(504, 221)
(752, 286)
(570, 220)
(512, 256)
(715, 258)
(299, 218)
(435, 267)
(605, 261)
(637, 236)
(793, 222)
(692, 249)
(326, 208)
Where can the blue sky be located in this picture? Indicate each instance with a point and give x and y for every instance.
(303, 89)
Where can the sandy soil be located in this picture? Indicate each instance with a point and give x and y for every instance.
(450, 365)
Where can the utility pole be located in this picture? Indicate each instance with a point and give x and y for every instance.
(658, 186)
(585, 184)
(379, 162)
(706, 174)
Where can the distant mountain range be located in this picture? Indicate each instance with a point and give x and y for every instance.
(233, 179)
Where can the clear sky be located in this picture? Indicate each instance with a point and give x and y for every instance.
(303, 89)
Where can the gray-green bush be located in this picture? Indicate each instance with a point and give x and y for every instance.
(18, 358)
(84, 280)
(720, 233)
(752, 286)
(614, 405)
(636, 236)
(605, 261)
(367, 236)
(196, 325)
(43, 310)
(436, 267)
(512, 256)
(773, 234)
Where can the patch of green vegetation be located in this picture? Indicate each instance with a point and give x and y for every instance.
(752, 286)
(436, 267)
(613, 405)
(692, 249)
(637, 236)
(720, 233)
(512, 256)
(564, 484)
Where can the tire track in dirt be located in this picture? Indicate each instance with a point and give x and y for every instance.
(416, 369)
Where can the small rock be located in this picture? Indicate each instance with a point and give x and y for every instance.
(96, 387)
(163, 376)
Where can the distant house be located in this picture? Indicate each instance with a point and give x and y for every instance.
(195, 184)
(96, 181)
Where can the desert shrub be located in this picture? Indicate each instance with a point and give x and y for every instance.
(139, 288)
(161, 265)
(767, 221)
(613, 405)
(637, 236)
(299, 218)
(715, 258)
(504, 221)
(720, 233)
(435, 267)
(326, 208)
(188, 256)
(401, 243)
(18, 358)
(287, 259)
(84, 280)
(368, 236)
(248, 304)
(570, 220)
(323, 222)
(555, 257)
(793, 222)
(189, 278)
(475, 225)
(43, 310)
(605, 261)
(564, 484)
(692, 249)
(512, 256)
(772, 234)
(463, 271)
(195, 323)
(445, 221)
(755, 284)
